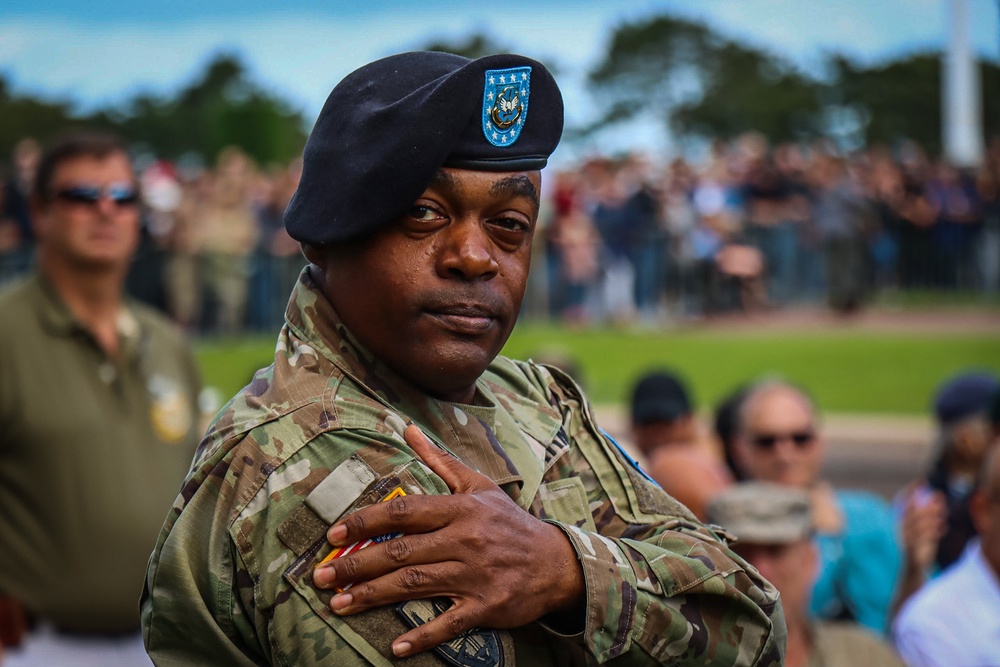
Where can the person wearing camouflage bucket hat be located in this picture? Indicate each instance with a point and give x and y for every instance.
(392, 490)
(763, 513)
(773, 529)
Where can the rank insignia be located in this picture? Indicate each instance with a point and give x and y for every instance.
(475, 648)
(340, 552)
(505, 104)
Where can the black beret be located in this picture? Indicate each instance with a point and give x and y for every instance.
(389, 126)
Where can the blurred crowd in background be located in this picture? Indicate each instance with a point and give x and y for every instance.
(756, 226)
(749, 228)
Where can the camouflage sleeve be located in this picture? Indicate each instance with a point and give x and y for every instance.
(192, 611)
(660, 587)
(675, 598)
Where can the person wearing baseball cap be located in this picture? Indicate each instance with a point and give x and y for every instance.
(773, 529)
(392, 490)
(961, 407)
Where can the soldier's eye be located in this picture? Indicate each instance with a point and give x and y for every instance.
(511, 224)
(423, 213)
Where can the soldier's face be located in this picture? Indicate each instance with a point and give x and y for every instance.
(86, 232)
(435, 294)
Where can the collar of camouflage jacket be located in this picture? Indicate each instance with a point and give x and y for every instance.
(473, 433)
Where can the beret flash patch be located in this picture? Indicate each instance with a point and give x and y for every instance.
(505, 104)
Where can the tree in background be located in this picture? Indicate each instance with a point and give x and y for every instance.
(901, 99)
(221, 108)
(699, 83)
(702, 84)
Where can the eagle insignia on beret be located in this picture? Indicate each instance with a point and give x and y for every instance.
(505, 104)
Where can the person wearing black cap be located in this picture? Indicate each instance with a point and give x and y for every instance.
(391, 488)
(961, 408)
(665, 430)
(661, 412)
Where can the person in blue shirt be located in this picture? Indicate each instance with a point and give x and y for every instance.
(778, 440)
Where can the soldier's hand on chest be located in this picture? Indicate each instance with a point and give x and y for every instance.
(500, 566)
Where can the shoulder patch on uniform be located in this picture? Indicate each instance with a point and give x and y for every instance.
(338, 490)
(651, 497)
(628, 459)
(475, 648)
(556, 448)
(301, 530)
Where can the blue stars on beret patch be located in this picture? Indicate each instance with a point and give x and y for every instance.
(505, 104)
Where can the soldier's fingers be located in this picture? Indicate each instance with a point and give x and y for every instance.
(459, 477)
(410, 514)
(417, 582)
(450, 624)
(379, 559)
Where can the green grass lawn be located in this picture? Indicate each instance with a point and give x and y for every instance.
(846, 371)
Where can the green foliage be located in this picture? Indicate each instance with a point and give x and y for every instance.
(702, 84)
(848, 371)
(222, 108)
(26, 116)
(897, 100)
(902, 99)
(750, 91)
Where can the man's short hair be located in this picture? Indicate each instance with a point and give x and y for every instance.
(85, 143)
(754, 391)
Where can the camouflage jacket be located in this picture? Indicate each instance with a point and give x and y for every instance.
(319, 434)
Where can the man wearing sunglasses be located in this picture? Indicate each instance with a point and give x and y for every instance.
(779, 441)
(98, 420)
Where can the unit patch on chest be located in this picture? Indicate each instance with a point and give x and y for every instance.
(475, 648)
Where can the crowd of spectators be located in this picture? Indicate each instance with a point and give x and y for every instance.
(755, 227)
(857, 574)
(750, 228)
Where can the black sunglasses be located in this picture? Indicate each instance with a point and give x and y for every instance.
(122, 194)
(801, 439)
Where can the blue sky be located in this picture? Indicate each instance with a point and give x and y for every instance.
(101, 51)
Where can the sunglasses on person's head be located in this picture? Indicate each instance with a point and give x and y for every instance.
(800, 439)
(122, 194)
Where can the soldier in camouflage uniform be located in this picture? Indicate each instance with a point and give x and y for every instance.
(391, 490)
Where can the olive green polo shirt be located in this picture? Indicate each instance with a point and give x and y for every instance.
(92, 455)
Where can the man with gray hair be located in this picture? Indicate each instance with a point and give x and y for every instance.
(774, 531)
(779, 441)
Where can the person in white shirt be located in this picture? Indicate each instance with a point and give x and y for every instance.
(954, 621)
